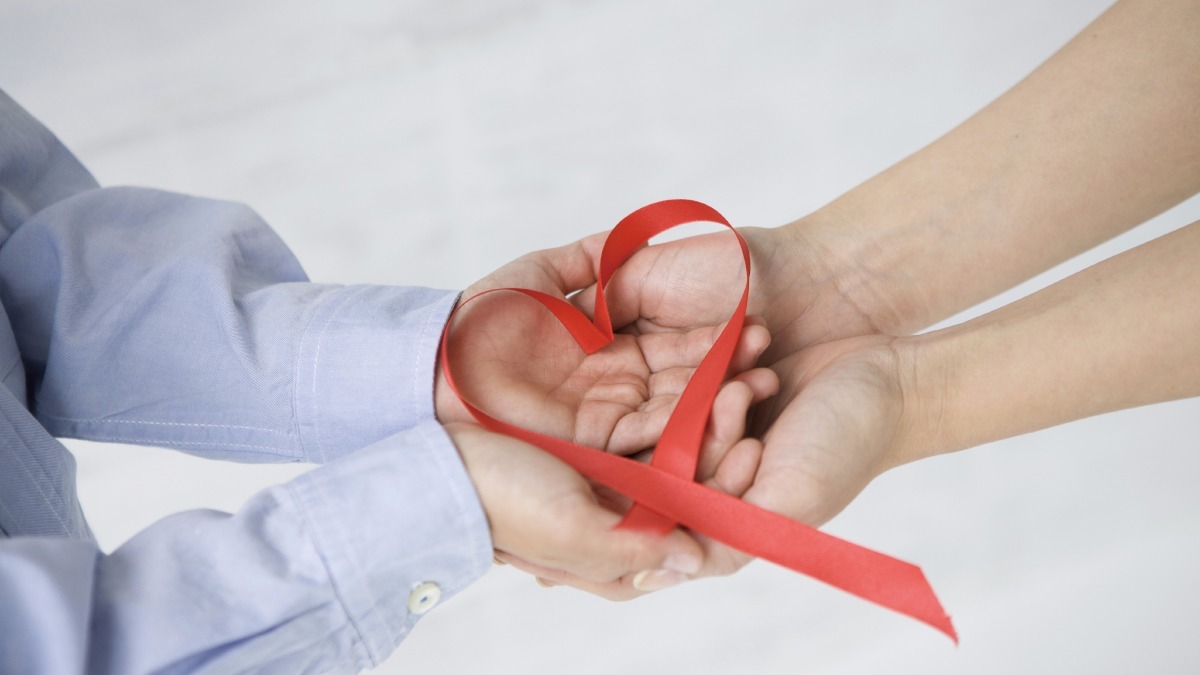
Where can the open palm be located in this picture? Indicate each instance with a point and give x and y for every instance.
(516, 362)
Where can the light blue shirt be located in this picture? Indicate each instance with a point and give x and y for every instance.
(139, 316)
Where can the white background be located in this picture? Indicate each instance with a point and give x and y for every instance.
(428, 142)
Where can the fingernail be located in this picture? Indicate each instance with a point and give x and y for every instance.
(498, 561)
(656, 580)
(683, 563)
(545, 583)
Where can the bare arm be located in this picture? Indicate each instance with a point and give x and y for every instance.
(1101, 137)
(1123, 333)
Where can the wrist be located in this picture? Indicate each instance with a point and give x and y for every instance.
(804, 286)
(925, 370)
(860, 268)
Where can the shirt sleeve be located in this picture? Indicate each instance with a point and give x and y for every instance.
(148, 317)
(326, 573)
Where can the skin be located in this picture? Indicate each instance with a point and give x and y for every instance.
(517, 362)
(1059, 355)
(1101, 137)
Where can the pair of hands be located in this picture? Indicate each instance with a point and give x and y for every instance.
(827, 409)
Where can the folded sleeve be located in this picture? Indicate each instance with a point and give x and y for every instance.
(326, 573)
(149, 317)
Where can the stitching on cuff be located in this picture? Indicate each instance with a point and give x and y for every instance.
(314, 536)
(314, 414)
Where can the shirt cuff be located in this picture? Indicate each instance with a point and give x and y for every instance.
(365, 366)
(419, 534)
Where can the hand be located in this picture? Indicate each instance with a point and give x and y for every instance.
(840, 420)
(543, 513)
(617, 399)
(825, 435)
(728, 458)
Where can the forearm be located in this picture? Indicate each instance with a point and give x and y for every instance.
(1097, 140)
(1117, 335)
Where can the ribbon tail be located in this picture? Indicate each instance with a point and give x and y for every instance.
(870, 575)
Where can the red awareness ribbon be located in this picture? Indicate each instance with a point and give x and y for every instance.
(665, 492)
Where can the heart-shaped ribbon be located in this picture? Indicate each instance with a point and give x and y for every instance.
(665, 493)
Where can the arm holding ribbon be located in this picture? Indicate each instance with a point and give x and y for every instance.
(141, 316)
(1100, 138)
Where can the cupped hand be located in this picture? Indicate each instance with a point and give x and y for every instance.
(841, 418)
(521, 365)
(541, 511)
(728, 460)
(831, 428)
(839, 421)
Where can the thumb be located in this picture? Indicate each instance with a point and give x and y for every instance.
(646, 561)
(598, 551)
(558, 271)
(572, 267)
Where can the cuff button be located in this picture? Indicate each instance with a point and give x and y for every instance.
(423, 597)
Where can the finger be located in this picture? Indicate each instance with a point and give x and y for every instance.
(676, 284)
(601, 553)
(616, 590)
(727, 421)
(557, 271)
(763, 383)
(754, 340)
(579, 537)
(570, 531)
(625, 587)
(641, 430)
(720, 558)
(736, 471)
(726, 425)
(686, 349)
(572, 267)
(577, 264)
(634, 297)
(636, 430)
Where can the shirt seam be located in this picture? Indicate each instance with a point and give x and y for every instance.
(334, 582)
(267, 449)
(316, 418)
(318, 305)
(102, 420)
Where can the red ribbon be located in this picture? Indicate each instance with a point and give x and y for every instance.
(664, 492)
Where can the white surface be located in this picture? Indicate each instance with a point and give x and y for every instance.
(423, 142)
